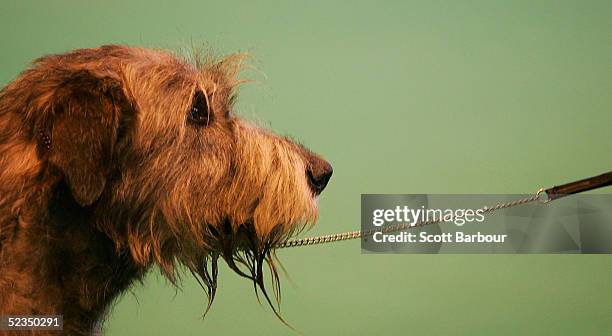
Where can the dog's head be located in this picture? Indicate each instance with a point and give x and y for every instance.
(150, 143)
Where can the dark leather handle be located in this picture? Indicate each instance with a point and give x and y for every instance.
(590, 183)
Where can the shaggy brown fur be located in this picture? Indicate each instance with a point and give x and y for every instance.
(115, 159)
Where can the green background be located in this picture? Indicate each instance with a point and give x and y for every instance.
(402, 97)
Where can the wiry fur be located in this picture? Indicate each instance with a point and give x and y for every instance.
(127, 182)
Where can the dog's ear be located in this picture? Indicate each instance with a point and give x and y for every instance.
(87, 110)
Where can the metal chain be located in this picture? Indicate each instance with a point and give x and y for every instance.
(398, 227)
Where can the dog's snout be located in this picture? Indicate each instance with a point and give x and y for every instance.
(319, 172)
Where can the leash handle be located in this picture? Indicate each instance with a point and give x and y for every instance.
(586, 184)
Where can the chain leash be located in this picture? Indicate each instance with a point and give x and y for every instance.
(553, 193)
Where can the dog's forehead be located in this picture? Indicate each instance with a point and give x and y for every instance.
(180, 76)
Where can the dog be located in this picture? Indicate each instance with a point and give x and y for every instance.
(116, 159)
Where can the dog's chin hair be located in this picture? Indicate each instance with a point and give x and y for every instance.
(245, 253)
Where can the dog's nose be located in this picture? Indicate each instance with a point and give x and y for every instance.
(319, 172)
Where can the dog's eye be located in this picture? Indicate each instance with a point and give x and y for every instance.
(199, 113)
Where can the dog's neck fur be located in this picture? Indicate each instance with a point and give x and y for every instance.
(61, 264)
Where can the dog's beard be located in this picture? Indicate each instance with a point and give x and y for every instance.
(247, 254)
(248, 247)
